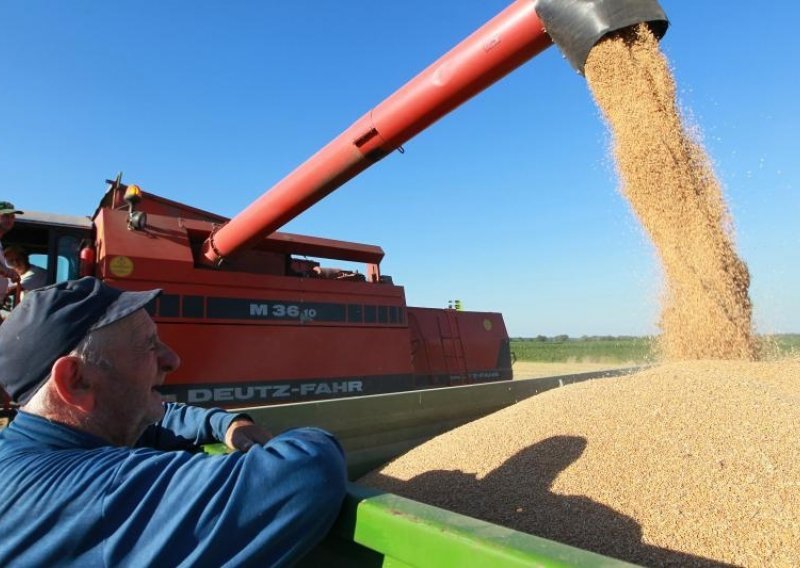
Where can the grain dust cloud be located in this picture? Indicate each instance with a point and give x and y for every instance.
(693, 462)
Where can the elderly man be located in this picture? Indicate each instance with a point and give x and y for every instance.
(94, 467)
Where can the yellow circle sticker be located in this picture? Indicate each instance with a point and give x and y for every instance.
(487, 325)
(121, 266)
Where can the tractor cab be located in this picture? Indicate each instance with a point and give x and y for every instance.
(52, 241)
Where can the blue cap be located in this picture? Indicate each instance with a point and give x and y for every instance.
(50, 322)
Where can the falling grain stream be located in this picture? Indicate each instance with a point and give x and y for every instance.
(694, 462)
(670, 184)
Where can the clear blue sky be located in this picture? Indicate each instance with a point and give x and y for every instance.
(509, 204)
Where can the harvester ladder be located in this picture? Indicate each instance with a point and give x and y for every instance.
(453, 347)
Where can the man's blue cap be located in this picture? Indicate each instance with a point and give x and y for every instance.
(50, 322)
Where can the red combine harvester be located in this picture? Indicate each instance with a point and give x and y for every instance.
(270, 325)
(254, 319)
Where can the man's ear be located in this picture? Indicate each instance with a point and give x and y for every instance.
(72, 383)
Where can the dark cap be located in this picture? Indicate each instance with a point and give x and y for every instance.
(6, 208)
(50, 322)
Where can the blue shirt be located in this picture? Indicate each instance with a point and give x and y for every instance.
(69, 498)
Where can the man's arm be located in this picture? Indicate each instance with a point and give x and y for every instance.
(267, 507)
(188, 427)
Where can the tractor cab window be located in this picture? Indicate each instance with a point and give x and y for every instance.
(67, 261)
(39, 260)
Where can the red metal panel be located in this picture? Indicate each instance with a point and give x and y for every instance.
(235, 353)
(459, 347)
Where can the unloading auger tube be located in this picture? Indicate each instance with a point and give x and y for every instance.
(511, 38)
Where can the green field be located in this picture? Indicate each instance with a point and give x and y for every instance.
(588, 350)
(607, 349)
(782, 345)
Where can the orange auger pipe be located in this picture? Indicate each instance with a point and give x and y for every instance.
(501, 45)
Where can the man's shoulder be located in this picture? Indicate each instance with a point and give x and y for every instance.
(35, 277)
(27, 464)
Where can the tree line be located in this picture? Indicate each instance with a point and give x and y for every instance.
(563, 338)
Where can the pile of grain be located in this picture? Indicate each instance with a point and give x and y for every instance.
(687, 464)
(671, 186)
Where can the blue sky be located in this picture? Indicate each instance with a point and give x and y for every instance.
(510, 203)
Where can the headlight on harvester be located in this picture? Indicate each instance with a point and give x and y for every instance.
(137, 220)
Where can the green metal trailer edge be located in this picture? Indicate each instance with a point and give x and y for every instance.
(382, 529)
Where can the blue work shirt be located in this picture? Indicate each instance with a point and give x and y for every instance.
(70, 498)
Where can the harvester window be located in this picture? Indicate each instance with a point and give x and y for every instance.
(67, 258)
(39, 260)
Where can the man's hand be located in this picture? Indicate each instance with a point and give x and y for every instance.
(243, 435)
(12, 275)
